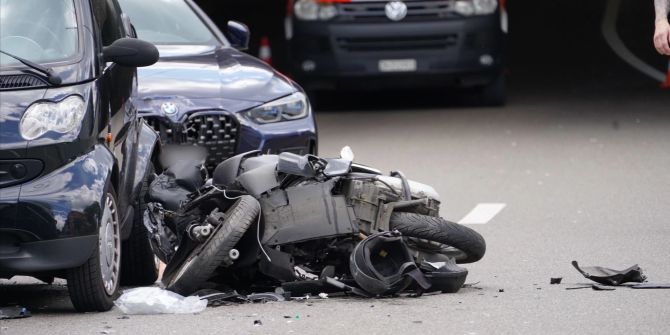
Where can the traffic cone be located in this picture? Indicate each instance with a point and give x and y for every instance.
(666, 84)
(264, 51)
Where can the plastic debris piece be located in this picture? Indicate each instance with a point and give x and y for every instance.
(15, 312)
(257, 323)
(323, 295)
(597, 287)
(265, 297)
(607, 276)
(154, 300)
(652, 286)
(501, 290)
(555, 281)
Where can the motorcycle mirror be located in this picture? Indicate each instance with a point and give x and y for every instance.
(347, 154)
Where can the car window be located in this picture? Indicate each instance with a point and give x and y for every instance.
(168, 22)
(39, 30)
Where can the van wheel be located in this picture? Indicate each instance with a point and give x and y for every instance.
(139, 266)
(494, 94)
(94, 285)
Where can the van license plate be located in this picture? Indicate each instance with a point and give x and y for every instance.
(397, 65)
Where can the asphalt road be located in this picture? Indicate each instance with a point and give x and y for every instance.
(584, 174)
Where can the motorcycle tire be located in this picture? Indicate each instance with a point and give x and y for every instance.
(437, 229)
(203, 261)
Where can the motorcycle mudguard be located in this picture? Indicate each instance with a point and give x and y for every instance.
(306, 212)
(226, 172)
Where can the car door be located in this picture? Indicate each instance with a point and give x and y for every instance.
(117, 86)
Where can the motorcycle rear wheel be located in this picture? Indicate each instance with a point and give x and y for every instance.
(203, 261)
(437, 229)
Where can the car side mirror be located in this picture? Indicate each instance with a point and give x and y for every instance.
(131, 52)
(238, 35)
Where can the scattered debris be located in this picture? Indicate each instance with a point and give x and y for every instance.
(501, 290)
(15, 312)
(597, 287)
(607, 276)
(323, 295)
(555, 281)
(652, 286)
(578, 287)
(154, 300)
(257, 323)
(124, 317)
(288, 317)
(472, 285)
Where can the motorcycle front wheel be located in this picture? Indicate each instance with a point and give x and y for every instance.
(470, 243)
(203, 261)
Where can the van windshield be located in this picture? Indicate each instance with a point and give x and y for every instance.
(168, 22)
(42, 31)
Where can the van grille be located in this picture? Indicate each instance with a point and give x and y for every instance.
(420, 10)
(397, 43)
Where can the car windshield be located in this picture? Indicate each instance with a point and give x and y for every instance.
(168, 22)
(42, 31)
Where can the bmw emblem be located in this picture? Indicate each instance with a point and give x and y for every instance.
(396, 10)
(169, 108)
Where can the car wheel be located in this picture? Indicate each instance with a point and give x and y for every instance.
(139, 265)
(494, 94)
(94, 285)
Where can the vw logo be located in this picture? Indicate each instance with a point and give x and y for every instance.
(396, 10)
(169, 108)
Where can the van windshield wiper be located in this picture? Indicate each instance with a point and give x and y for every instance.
(51, 77)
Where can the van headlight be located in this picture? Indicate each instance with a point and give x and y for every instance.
(62, 117)
(311, 10)
(292, 107)
(475, 7)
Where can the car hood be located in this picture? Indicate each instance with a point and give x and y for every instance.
(203, 72)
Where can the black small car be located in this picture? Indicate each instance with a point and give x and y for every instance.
(74, 156)
(380, 43)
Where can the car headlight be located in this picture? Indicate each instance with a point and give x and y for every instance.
(292, 107)
(62, 117)
(475, 7)
(311, 10)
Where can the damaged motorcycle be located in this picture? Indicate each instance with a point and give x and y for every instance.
(295, 221)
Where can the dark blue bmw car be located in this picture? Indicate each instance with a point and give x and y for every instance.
(205, 92)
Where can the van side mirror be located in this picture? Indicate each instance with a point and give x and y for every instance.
(131, 52)
(238, 35)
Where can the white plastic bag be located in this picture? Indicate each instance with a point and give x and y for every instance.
(155, 300)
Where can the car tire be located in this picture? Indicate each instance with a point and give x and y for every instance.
(139, 266)
(494, 94)
(94, 285)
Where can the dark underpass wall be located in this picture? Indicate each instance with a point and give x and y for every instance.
(562, 41)
(550, 42)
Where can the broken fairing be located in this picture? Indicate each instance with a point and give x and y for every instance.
(607, 276)
(419, 190)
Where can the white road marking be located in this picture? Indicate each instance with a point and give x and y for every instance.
(482, 213)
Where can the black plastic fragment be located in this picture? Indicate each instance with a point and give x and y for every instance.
(597, 287)
(555, 281)
(607, 276)
(651, 286)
